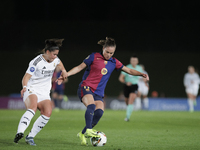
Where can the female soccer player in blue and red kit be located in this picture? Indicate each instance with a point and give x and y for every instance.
(91, 89)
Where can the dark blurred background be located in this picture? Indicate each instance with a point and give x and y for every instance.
(164, 35)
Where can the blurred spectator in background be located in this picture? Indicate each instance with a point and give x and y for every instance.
(131, 85)
(57, 90)
(191, 83)
(154, 94)
(162, 94)
(143, 89)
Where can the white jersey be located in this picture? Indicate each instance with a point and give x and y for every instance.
(42, 72)
(191, 80)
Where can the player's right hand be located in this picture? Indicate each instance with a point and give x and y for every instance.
(23, 91)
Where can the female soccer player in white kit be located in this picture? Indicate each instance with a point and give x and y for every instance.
(191, 83)
(36, 85)
(143, 89)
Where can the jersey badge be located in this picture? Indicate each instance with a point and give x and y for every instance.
(105, 62)
(32, 69)
(87, 88)
(44, 67)
(104, 71)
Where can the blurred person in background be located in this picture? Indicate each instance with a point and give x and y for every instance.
(57, 90)
(143, 89)
(191, 82)
(36, 86)
(154, 94)
(130, 85)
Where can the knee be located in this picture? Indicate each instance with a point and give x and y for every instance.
(33, 108)
(47, 112)
(30, 105)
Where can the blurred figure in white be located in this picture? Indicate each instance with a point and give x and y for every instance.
(143, 90)
(191, 83)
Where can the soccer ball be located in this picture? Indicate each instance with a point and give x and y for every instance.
(99, 141)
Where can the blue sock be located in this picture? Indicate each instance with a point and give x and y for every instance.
(129, 110)
(89, 116)
(97, 116)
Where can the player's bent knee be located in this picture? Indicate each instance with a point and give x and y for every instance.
(33, 108)
(47, 113)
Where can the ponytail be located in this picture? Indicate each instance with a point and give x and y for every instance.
(52, 44)
(107, 42)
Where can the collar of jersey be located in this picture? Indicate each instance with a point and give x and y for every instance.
(44, 59)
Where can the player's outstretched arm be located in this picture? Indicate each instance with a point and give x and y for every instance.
(77, 69)
(73, 71)
(135, 72)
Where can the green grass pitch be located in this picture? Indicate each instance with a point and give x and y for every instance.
(145, 131)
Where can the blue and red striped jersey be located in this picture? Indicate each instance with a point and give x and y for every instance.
(98, 72)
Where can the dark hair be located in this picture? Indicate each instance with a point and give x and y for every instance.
(134, 56)
(108, 42)
(52, 44)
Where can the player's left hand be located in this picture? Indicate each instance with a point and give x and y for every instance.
(145, 76)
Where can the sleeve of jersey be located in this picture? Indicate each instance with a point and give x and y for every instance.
(57, 61)
(119, 65)
(185, 80)
(88, 60)
(197, 80)
(31, 68)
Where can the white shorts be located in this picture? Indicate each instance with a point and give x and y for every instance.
(192, 90)
(41, 97)
(143, 89)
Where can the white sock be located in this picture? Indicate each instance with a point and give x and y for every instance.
(25, 120)
(38, 125)
(191, 105)
(138, 103)
(146, 103)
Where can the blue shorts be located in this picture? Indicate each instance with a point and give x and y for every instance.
(86, 90)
